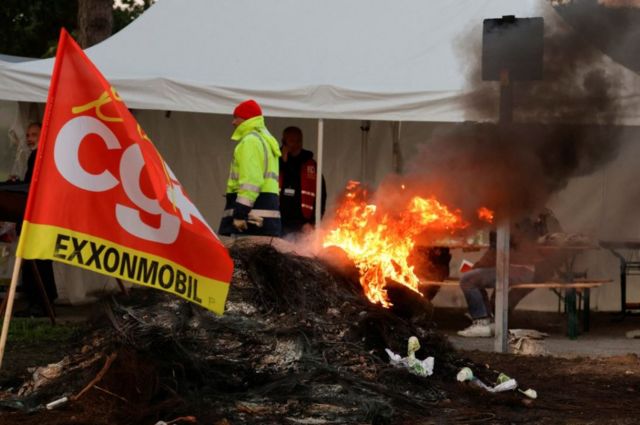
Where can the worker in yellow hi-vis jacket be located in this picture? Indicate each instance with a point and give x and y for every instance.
(252, 206)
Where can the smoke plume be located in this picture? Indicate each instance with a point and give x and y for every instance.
(563, 126)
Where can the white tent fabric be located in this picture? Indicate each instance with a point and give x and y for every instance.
(5, 59)
(340, 60)
(355, 59)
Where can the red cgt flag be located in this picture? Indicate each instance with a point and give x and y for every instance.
(102, 198)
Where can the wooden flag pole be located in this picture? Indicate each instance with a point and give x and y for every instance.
(9, 310)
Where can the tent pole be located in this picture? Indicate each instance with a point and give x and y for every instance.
(396, 128)
(364, 128)
(318, 209)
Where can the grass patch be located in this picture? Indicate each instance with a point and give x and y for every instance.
(32, 330)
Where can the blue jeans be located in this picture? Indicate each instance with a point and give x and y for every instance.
(475, 282)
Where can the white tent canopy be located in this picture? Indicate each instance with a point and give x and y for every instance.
(338, 60)
(5, 59)
(356, 59)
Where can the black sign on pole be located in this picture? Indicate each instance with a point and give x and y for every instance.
(512, 44)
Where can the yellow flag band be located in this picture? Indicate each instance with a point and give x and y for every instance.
(39, 241)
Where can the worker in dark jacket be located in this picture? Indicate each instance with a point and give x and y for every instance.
(298, 175)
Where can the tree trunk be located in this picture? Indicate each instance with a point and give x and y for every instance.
(95, 21)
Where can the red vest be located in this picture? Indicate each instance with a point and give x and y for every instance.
(307, 188)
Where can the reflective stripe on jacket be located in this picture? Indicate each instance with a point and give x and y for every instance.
(266, 207)
(307, 177)
(252, 187)
(254, 168)
(308, 189)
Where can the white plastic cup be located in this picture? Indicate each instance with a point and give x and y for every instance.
(465, 374)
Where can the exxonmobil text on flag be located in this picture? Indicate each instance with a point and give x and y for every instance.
(103, 199)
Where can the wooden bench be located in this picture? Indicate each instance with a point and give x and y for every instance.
(571, 289)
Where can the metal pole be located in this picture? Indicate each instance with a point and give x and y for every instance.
(364, 128)
(398, 165)
(502, 240)
(506, 98)
(502, 288)
(319, 172)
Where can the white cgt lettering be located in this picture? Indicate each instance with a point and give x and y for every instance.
(131, 166)
(183, 204)
(67, 146)
(66, 157)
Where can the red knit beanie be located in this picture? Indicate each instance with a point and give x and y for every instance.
(247, 109)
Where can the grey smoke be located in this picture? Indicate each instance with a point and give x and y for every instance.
(618, 20)
(563, 127)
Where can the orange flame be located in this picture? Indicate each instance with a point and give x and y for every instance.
(485, 214)
(379, 243)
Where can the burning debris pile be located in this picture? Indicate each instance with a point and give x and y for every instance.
(299, 343)
(381, 241)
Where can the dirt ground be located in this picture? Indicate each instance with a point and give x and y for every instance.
(570, 391)
(174, 363)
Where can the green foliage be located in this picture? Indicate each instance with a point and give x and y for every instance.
(128, 12)
(31, 27)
